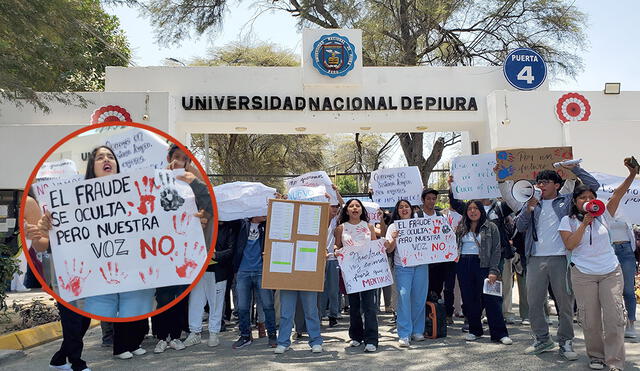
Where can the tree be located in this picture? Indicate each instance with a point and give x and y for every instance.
(53, 46)
(249, 53)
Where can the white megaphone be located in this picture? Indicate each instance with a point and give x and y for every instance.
(523, 191)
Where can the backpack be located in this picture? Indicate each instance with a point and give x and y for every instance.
(435, 319)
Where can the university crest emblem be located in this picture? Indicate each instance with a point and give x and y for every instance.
(333, 55)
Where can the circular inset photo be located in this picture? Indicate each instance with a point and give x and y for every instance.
(123, 219)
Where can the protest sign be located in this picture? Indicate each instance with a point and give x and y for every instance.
(391, 185)
(629, 207)
(57, 169)
(314, 179)
(123, 232)
(239, 200)
(425, 241)
(473, 177)
(372, 211)
(364, 267)
(138, 149)
(526, 163)
(304, 193)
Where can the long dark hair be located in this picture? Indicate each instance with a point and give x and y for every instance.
(465, 218)
(90, 172)
(577, 191)
(344, 213)
(396, 214)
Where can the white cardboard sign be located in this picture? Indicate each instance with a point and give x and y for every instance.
(364, 267)
(391, 185)
(426, 241)
(239, 200)
(314, 179)
(630, 203)
(473, 177)
(372, 211)
(138, 149)
(57, 169)
(304, 193)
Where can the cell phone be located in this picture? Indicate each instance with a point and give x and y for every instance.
(635, 165)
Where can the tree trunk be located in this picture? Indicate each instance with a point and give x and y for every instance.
(412, 144)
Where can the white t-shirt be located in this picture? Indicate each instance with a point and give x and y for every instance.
(331, 238)
(549, 241)
(594, 254)
(396, 257)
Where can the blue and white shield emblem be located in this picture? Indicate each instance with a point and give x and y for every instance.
(333, 55)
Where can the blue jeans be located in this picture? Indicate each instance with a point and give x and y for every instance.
(122, 305)
(245, 282)
(412, 284)
(331, 292)
(471, 278)
(288, 301)
(627, 260)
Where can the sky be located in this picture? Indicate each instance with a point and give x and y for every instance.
(612, 52)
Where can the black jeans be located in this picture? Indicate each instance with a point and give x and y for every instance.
(364, 302)
(170, 322)
(127, 336)
(74, 326)
(443, 276)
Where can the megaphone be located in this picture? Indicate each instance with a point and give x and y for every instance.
(594, 207)
(523, 191)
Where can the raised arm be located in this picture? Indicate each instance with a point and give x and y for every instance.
(614, 201)
(585, 177)
(455, 204)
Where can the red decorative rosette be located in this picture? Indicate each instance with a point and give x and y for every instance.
(110, 114)
(573, 107)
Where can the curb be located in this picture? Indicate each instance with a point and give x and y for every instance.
(31, 337)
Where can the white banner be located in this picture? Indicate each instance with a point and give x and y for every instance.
(57, 169)
(473, 177)
(425, 241)
(630, 203)
(314, 179)
(391, 185)
(364, 267)
(138, 149)
(239, 200)
(304, 193)
(372, 211)
(123, 232)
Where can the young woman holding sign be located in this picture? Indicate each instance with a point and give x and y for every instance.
(596, 275)
(354, 230)
(479, 248)
(412, 284)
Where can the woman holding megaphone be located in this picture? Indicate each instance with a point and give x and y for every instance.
(596, 275)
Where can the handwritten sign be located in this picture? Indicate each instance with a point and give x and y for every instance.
(391, 185)
(314, 179)
(239, 200)
(123, 232)
(364, 267)
(426, 241)
(526, 163)
(57, 169)
(304, 193)
(473, 177)
(372, 211)
(629, 207)
(138, 149)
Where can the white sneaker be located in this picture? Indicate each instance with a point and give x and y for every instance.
(506, 340)
(354, 343)
(630, 330)
(139, 352)
(66, 366)
(280, 349)
(418, 337)
(213, 340)
(125, 355)
(370, 348)
(193, 339)
(316, 348)
(160, 347)
(525, 322)
(176, 344)
(470, 337)
(404, 342)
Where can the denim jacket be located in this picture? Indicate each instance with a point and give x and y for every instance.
(490, 249)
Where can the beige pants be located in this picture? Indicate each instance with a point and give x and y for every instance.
(507, 289)
(600, 301)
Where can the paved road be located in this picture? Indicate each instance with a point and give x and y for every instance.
(451, 353)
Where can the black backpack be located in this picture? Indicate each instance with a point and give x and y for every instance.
(436, 318)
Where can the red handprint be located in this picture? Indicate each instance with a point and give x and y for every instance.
(180, 226)
(74, 278)
(150, 274)
(147, 198)
(190, 259)
(114, 273)
(404, 261)
(448, 255)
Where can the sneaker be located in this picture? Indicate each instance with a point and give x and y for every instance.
(262, 330)
(566, 351)
(470, 337)
(139, 352)
(280, 349)
(404, 342)
(160, 347)
(125, 355)
(242, 342)
(417, 337)
(193, 339)
(176, 344)
(273, 340)
(370, 348)
(213, 340)
(630, 330)
(506, 340)
(540, 346)
(297, 336)
(510, 320)
(66, 366)
(614, 369)
(596, 364)
(525, 322)
(354, 343)
(333, 322)
(316, 348)
(465, 327)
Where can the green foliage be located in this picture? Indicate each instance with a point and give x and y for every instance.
(242, 53)
(347, 184)
(8, 266)
(55, 46)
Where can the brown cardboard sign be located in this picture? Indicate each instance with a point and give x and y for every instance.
(295, 247)
(526, 163)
